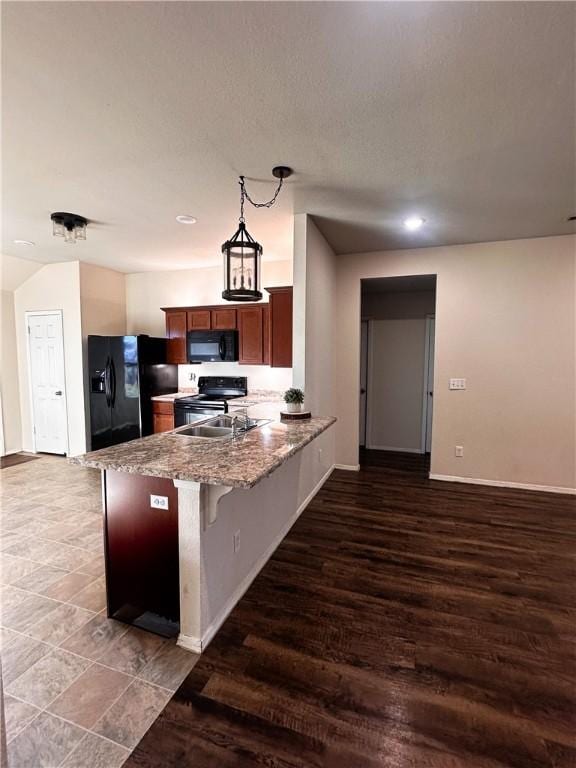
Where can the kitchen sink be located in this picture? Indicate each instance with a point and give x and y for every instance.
(205, 430)
(220, 427)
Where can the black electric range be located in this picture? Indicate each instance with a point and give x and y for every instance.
(214, 393)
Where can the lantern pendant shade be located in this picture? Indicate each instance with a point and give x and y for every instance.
(242, 258)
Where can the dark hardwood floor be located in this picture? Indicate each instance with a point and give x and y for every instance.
(402, 623)
(13, 459)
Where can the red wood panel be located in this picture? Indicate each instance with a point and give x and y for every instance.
(176, 333)
(251, 333)
(199, 320)
(223, 319)
(280, 327)
(142, 572)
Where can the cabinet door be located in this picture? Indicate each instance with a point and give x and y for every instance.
(266, 333)
(223, 319)
(176, 335)
(280, 327)
(163, 422)
(198, 320)
(141, 550)
(251, 334)
(163, 416)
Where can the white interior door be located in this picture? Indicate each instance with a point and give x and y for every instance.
(47, 382)
(363, 379)
(429, 392)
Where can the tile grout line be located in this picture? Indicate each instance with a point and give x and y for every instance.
(65, 720)
(92, 661)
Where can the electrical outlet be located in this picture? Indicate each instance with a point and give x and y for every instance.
(457, 384)
(459, 451)
(158, 502)
(237, 541)
(192, 376)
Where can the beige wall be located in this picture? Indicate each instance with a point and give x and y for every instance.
(504, 321)
(103, 310)
(147, 292)
(54, 286)
(103, 301)
(398, 305)
(314, 316)
(9, 384)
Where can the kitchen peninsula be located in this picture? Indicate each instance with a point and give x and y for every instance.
(189, 522)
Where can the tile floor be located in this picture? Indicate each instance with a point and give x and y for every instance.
(80, 690)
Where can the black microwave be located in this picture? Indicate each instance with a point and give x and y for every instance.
(212, 346)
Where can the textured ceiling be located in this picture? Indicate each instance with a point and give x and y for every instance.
(131, 113)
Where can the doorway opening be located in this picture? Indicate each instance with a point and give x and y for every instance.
(47, 382)
(397, 333)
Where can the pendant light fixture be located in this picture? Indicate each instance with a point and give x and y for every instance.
(70, 226)
(242, 254)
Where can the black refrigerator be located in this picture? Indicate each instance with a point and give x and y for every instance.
(124, 373)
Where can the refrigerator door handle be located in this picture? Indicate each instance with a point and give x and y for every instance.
(107, 381)
(112, 382)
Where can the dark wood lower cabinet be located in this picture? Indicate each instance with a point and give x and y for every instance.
(141, 551)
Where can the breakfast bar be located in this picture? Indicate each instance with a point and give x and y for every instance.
(192, 515)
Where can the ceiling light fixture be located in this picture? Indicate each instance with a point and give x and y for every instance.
(242, 254)
(412, 223)
(70, 226)
(183, 218)
(24, 242)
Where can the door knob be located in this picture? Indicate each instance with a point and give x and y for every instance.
(59, 392)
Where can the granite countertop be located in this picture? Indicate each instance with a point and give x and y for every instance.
(240, 462)
(252, 398)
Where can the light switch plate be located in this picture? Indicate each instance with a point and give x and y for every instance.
(158, 502)
(457, 384)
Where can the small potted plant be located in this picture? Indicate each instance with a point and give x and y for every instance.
(293, 399)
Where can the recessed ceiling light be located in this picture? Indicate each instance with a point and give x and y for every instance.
(412, 223)
(185, 219)
(24, 242)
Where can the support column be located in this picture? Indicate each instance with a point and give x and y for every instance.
(197, 510)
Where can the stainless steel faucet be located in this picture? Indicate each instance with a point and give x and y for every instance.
(240, 416)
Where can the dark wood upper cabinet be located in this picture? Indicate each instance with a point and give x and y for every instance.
(199, 320)
(251, 335)
(176, 335)
(280, 327)
(264, 330)
(223, 319)
(266, 334)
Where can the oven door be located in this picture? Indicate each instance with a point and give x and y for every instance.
(186, 414)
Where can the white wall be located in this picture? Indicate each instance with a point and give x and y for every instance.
(260, 377)
(147, 292)
(54, 286)
(279, 499)
(9, 382)
(505, 321)
(314, 316)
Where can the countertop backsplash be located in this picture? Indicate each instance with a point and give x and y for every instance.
(260, 377)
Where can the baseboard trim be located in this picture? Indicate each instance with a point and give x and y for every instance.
(348, 467)
(391, 448)
(504, 484)
(11, 453)
(198, 645)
